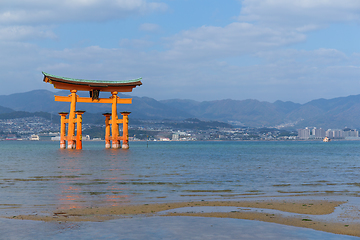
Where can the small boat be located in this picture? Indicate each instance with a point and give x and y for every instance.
(34, 137)
(326, 139)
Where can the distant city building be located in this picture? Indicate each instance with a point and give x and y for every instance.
(350, 133)
(335, 133)
(175, 137)
(318, 133)
(304, 133)
(315, 133)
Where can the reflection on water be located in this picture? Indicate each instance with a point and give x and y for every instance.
(94, 173)
(39, 175)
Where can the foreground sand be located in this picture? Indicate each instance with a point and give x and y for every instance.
(292, 208)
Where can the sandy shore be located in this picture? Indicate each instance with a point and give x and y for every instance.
(290, 208)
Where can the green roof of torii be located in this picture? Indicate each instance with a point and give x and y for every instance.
(84, 81)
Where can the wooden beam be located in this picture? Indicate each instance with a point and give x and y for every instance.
(90, 100)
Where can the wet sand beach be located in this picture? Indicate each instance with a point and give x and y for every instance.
(313, 214)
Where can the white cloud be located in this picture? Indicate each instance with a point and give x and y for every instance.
(316, 57)
(295, 75)
(24, 19)
(203, 63)
(15, 33)
(233, 39)
(299, 75)
(264, 25)
(44, 11)
(299, 13)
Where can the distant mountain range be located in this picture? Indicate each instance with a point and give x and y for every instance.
(333, 113)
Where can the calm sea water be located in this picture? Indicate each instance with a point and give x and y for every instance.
(40, 175)
(37, 176)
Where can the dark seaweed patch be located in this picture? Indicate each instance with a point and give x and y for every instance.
(210, 191)
(281, 185)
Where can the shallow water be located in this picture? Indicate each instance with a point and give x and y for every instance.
(161, 228)
(38, 176)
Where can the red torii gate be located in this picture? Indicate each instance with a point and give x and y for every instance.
(75, 117)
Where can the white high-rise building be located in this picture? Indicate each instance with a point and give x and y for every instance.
(351, 133)
(335, 133)
(318, 133)
(175, 136)
(304, 133)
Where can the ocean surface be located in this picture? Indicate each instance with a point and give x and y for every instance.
(37, 176)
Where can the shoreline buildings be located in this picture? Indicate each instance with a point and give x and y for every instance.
(319, 133)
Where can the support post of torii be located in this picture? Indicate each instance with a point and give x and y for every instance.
(63, 122)
(71, 125)
(125, 143)
(79, 129)
(114, 122)
(107, 130)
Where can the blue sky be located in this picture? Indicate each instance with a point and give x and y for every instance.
(202, 49)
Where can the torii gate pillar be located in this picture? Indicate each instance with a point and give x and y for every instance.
(71, 125)
(63, 122)
(114, 122)
(79, 129)
(107, 130)
(125, 143)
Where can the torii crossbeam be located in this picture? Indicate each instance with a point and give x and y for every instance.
(75, 117)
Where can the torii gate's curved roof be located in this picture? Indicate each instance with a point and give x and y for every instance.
(89, 85)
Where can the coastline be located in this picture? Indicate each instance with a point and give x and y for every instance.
(292, 211)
